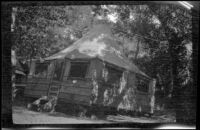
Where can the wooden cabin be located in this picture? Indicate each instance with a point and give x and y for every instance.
(93, 70)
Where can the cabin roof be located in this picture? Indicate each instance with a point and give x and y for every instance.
(100, 43)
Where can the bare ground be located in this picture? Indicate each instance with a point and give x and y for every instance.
(21, 115)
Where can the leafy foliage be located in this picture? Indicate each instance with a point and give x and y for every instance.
(164, 31)
(43, 30)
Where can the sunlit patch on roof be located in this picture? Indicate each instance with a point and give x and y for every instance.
(93, 48)
(115, 51)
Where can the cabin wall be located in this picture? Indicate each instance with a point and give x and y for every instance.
(95, 69)
(104, 89)
(76, 90)
(129, 99)
(134, 99)
(96, 83)
(143, 100)
(72, 90)
(85, 91)
(37, 86)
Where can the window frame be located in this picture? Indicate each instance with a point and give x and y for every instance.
(79, 61)
(139, 78)
(46, 63)
(107, 66)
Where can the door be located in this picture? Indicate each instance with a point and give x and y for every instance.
(56, 80)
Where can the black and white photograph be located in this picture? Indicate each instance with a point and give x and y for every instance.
(103, 63)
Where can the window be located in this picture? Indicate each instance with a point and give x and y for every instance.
(142, 86)
(114, 75)
(41, 70)
(58, 71)
(18, 78)
(78, 69)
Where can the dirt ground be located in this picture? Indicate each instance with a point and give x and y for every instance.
(21, 115)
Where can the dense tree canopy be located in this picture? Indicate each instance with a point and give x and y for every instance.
(40, 31)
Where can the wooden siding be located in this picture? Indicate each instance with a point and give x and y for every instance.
(80, 92)
(81, 98)
(38, 80)
(42, 87)
(74, 98)
(141, 98)
(79, 83)
(34, 93)
(76, 90)
(36, 86)
(143, 101)
(138, 100)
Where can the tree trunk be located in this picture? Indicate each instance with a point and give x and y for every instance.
(171, 71)
(179, 98)
(152, 88)
(137, 49)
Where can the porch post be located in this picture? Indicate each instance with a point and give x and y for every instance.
(152, 87)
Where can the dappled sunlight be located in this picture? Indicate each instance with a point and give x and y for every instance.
(93, 48)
